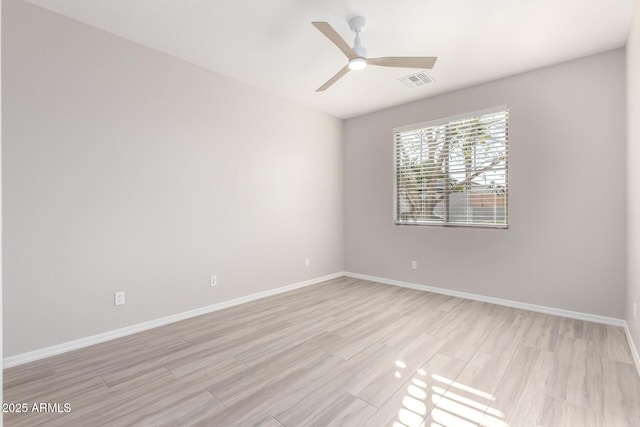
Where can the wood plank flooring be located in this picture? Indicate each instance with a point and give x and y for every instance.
(344, 353)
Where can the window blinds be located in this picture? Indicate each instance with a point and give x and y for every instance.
(453, 171)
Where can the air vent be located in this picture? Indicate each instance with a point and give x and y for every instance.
(417, 79)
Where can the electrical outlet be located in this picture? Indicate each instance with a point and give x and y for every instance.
(307, 262)
(118, 298)
(213, 280)
(634, 311)
(414, 264)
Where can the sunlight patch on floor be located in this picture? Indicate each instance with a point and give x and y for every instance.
(472, 390)
(454, 404)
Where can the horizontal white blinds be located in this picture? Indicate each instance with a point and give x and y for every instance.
(453, 172)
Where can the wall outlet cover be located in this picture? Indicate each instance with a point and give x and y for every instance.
(119, 298)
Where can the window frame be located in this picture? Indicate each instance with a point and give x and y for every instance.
(439, 122)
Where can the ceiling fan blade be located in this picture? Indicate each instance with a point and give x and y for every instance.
(332, 35)
(404, 61)
(334, 79)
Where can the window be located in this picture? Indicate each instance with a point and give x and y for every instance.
(453, 171)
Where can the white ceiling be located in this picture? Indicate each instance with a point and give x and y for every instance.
(272, 45)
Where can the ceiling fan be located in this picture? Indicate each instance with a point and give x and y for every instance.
(357, 54)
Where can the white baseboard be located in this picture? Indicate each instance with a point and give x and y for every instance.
(515, 304)
(499, 301)
(30, 356)
(632, 346)
(106, 336)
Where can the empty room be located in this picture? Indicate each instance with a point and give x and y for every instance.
(320, 213)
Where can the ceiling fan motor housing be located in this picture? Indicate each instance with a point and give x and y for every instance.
(360, 62)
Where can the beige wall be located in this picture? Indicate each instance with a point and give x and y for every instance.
(633, 177)
(127, 169)
(565, 246)
(1, 338)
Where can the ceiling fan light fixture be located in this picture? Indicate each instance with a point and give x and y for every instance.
(356, 64)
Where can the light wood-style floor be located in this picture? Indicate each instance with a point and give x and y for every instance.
(345, 353)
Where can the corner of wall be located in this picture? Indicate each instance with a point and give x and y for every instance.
(633, 188)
